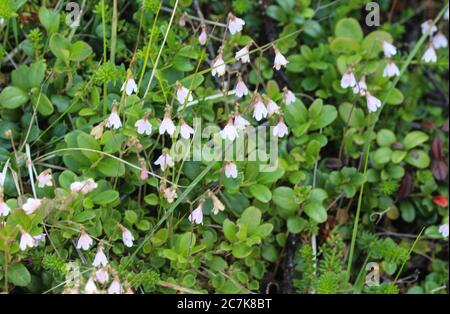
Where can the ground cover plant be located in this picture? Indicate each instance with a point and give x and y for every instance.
(190, 146)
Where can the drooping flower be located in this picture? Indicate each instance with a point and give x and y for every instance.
(4, 208)
(373, 103)
(167, 125)
(169, 193)
(186, 130)
(164, 160)
(440, 200)
(85, 241)
(182, 20)
(443, 229)
(288, 96)
(272, 107)
(217, 204)
(39, 238)
(83, 187)
(280, 60)
(143, 126)
(239, 122)
(348, 79)
(196, 216)
(102, 275)
(127, 236)
(281, 129)
(203, 36)
(440, 41)
(183, 94)
(144, 171)
(90, 287)
(428, 26)
(115, 287)
(259, 109)
(243, 55)
(100, 258)
(391, 69)
(218, 66)
(430, 55)
(45, 179)
(26, 240)
(129, 86)
(97, 131)
(241, 88)
(361, 87)
(114, 119)
(231, 170)
(446, 15)
(229, 131)
(389, 49)
(31, 205)
(235, 24)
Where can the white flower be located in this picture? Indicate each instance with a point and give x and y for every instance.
(183, 93)
(170, 194)
(144, 171)
(272, 107)
(259, 109)
(243, 55)
(288, 96)
(430, 55)
(45, 179)
(143, 126)
(85, 241)
(279, 60)
(203, 37)
(218, 66)
(164, 161)
(26, 240)
(185, 130)
(90, 287)
(443, 229)
(115, 287)
(100, 258)
(240, 123)
(348, 79)
(196, 216)
(102, 275)
(217, 204)
(391, 70)
(2, 179)
(373, 103)
(280, 129)
(428, 26)
(167, 125)
(235, 24)
(231, 170)
(127, 237)
(4, 208)
(129, 86)
(361, 87)
(31, 205)
(38, 239)
(241, 88)
(97, 131)
(389, 49)
(114, 119)
(440, 41)
(446, 15)
(229, 131)
(83, 187)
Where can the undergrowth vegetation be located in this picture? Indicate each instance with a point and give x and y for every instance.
(317, 146)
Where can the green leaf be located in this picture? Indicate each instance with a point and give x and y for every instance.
(13, 97)
(131, 216)
(327, 116)
(261, 193)
(418, 159)
(229, 230)
(394, 97)
(105, 198)
(371, 43)
(344, 46)
(36, 74)
(87, 141)
(263, 230)
(351, 114)
(84, 216)
(19, 275)
(386, 137)
(251, 217)
(414, 138)
(60, 47)
(284, 197)
(349, 28)
(79, 51)
(49, 19)
(382, 155)
(296, 224)
(43, 104)
(241, 250)
(316, 212)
